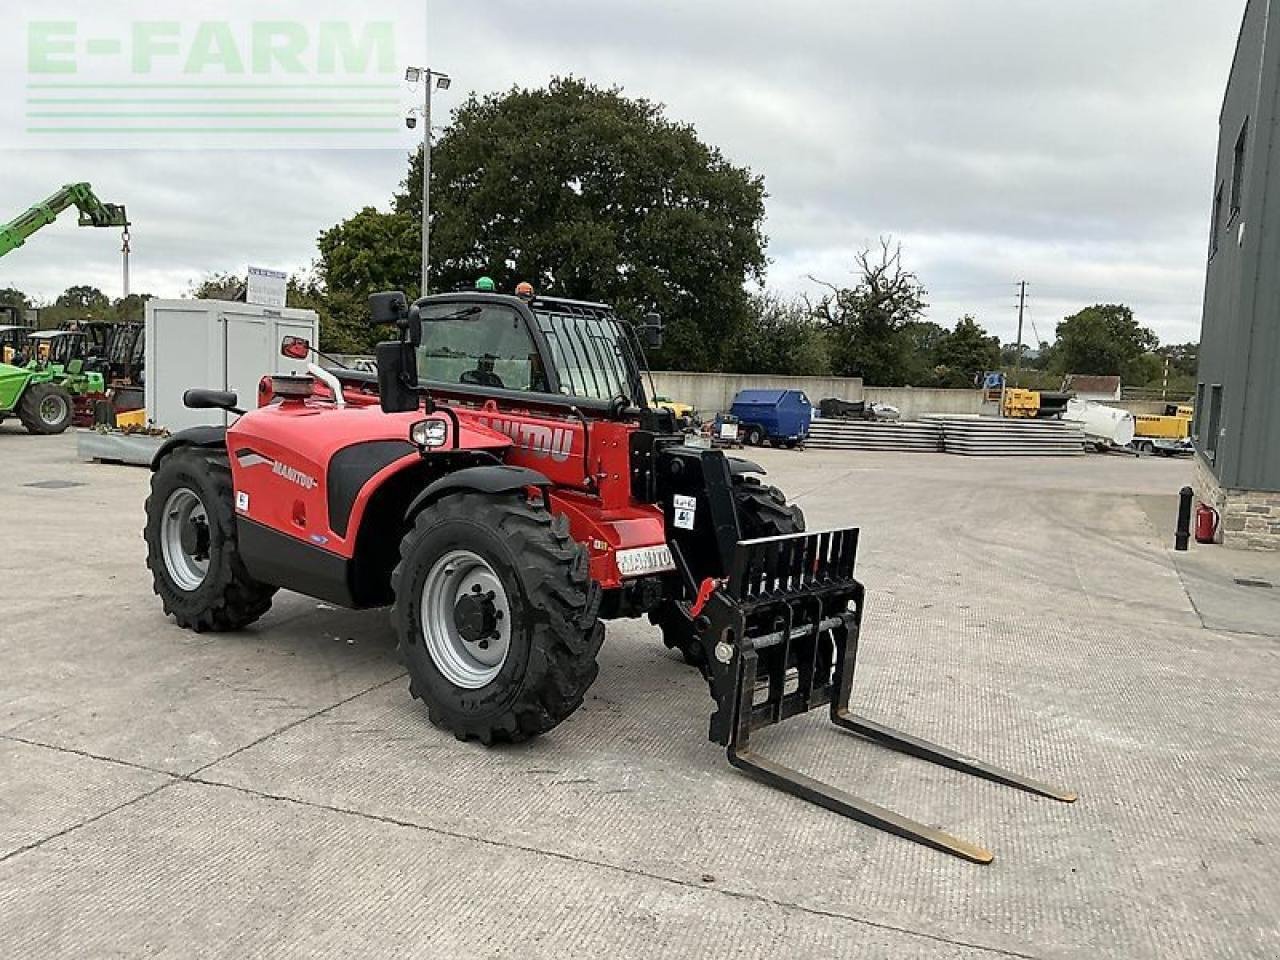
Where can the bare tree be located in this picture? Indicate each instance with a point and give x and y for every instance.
(866, 321)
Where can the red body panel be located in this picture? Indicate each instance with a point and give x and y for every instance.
(280, 461)
(280, 455)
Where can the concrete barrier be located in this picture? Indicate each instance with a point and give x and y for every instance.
(712, 393)
(917, 402)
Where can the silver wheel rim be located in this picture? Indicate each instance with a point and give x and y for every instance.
(187, 567)
(467, 663)
(53, 409)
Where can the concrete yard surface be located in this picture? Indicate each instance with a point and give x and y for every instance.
(276, 793)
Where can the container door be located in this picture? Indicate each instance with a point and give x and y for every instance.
(249, 355)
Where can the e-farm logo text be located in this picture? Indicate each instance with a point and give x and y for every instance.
(251, 81)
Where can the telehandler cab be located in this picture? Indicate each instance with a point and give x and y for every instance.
(504, 485)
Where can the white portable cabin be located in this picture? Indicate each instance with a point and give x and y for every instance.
(219, 345)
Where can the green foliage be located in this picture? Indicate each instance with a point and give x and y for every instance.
(1104, 339)
(219, 286)
(586, 194)
(86, 301)
(778, 336)
(131, 309)
(965, 354)
(11, 297)
(1184, 358)
(867, 324)
(370, 252)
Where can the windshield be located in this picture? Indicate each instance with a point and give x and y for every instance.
(485, 346)
(591, 354)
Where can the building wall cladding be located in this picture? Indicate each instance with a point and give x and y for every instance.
(1240, 338)
(1249, 519)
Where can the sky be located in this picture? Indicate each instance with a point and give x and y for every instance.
(1070, 145)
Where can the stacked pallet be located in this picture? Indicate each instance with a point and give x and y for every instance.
(995, 437)
(913, 436)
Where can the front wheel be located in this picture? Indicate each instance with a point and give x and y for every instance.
(192, 546)
(496, 616)
(46, 408)
(754, 437)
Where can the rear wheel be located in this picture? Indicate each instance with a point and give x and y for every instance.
(192, 550)
(496, 617)
(46, 408)
(763, 511)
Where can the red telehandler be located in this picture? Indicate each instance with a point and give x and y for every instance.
(504, 485)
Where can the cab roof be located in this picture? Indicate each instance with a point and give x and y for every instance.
(53, 334)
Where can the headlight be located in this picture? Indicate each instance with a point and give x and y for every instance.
(429, 433)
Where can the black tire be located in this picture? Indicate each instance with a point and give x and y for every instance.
(555, 632)
(227, 598)
(763, 511)
(754, 437)
(38, 407)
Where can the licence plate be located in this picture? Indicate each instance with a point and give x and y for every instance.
(643, 560)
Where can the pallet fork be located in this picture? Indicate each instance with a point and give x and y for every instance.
(780, 634)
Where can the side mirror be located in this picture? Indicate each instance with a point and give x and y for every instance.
(393, 307)
(397, 376)
(652, 330)
(389, 307)
(295, 348)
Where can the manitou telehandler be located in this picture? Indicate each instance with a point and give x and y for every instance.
(504, 484)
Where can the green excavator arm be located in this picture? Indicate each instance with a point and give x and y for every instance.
(93, 213)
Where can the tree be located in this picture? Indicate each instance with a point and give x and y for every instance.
(219, 286)
(1104, 339)
(372, 251)
(965, 353)
(586, 194)
(12, 297)
(923, 339)
(778, 336)
(131, 309)
(88, 301)
(1184, 358)
(866, 323)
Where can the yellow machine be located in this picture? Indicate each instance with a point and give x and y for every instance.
(675, 406)
(1168, 435)
(1020, 403)
(1163, 428)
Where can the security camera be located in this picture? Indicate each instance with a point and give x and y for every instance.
(411, 121)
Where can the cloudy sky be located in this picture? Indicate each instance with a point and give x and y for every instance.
(1068, 144)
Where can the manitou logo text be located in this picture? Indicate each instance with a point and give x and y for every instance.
(296, 476)
(556, 443)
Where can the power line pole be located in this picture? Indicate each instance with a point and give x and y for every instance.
(1022, 309)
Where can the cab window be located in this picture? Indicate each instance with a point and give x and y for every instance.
(484, 345)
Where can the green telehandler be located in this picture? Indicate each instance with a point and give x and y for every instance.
(93, 213)
(36, 397)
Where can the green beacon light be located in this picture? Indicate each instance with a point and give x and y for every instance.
(485, 285)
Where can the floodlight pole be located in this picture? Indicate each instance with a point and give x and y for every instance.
(426, 188)
(430, 78)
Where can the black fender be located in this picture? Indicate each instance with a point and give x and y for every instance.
(490, 478)
(207, 438)
(739, 466)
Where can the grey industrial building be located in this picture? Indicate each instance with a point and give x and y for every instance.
(1237, 423)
